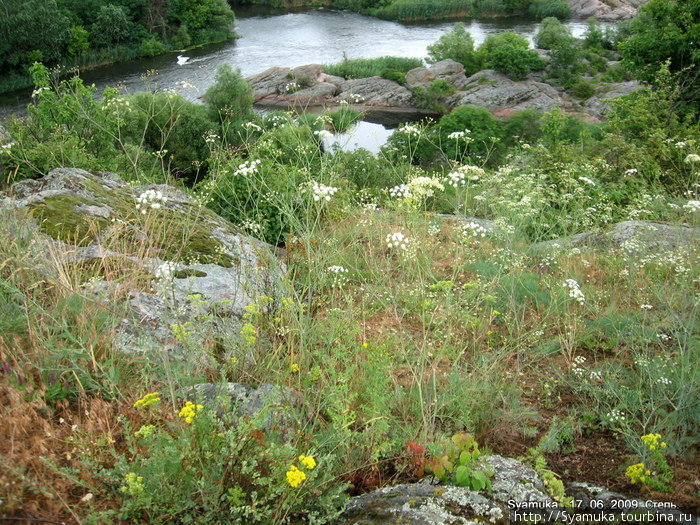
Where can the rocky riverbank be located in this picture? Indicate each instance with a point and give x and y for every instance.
(382, 100)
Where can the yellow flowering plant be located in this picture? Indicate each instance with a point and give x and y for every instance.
(189, 411)
(148, 400)
(655, 472)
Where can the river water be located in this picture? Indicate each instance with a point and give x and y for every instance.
(291, 39)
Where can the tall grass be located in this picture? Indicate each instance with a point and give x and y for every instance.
(369, 67)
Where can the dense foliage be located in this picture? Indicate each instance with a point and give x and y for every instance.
(83, 32)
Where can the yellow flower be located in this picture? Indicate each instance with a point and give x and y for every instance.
(308, 462)
(652, 441)
(189, 411)
(636, 473)
(148, 400)
(295, 477)
(295, 367)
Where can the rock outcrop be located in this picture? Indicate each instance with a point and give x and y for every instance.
(177, 260)
(632, 236)
(599, 105)
(425, 504)
(605, 10)
(448, 70)
(494, 91)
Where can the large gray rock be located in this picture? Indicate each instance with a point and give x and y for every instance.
(632, 236)
(271, 81)
(605, 10)
(178, 262)
(425, 504)
(599, 105)
(448, 70)
(495, 91)
(376, 91)
(316, 92)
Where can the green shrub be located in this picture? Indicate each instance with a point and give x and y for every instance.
(583, 89)
(230, 98)
(552, 33)
(371, 67)
(343, 118)
(457, 45)
(547, 8)
(482, 126)
(396, 76)
(525, 125)
(429, 97)
(151, 47)
(515, 62)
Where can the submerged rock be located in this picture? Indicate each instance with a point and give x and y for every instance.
(175, 259)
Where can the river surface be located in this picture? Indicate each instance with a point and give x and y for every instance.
(292, 39)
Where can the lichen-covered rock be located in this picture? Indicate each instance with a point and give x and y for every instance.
(172, 249)
(632, 236)
(376, 90)
(270, 405)
(319, 90)
(599, 105)
(426, 504)
(606, 10)
(494, 91)
(448, 70)
(271, 81)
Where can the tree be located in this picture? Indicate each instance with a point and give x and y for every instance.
(112, 27)
(457, 45)
(31, 30)
(206, 20)
(664, 30)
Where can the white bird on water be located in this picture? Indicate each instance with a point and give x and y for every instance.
(181, 60)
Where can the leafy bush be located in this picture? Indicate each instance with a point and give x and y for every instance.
(429, 97)
(583, 89)
(552, 33)
(457, 45)
(515, 62)
(371, 67)
(548, 8)
(484, 129)
(230, 98)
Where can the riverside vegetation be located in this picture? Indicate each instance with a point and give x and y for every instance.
(437, 302)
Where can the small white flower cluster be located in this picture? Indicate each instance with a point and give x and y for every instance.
(153, 199)
(588, 181)
(575, 291)
(251, 226)
(252, 125)
(402, 191)
(5, 148)
(410, 130)
(692, 206)
(460, 135)
(356, 98)
(338, 275)
(616, 416)
(692, 158)
(322, 192)
(292, 87)
(631, 171)
(646, 307)
(663, 381)
(211, 137)
(577, 366)
(249, 167)
(39, 91)
(323, 134)
(472, 230)
(423, 187)
(397, 240)
(165, 271)
(462, 175)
